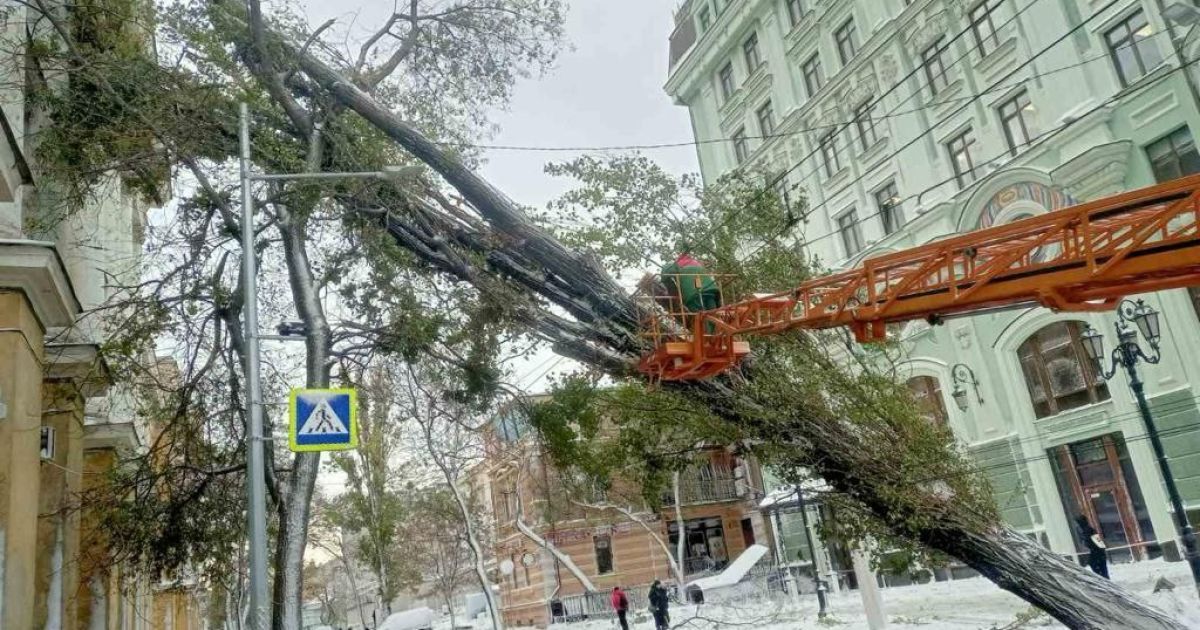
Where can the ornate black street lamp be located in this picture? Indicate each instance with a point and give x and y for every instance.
(964, 375)
(1133, 317)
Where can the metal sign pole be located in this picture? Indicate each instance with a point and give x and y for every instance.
(256, 509)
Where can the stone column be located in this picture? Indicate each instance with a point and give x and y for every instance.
(21, 390)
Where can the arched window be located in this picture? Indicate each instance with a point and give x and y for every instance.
(928, 393)
(1057, 372)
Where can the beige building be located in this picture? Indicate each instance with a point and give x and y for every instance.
(718, 499)
(63, 423)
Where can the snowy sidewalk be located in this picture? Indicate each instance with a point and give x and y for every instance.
(958, 605)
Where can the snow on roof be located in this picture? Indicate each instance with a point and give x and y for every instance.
(787, 493)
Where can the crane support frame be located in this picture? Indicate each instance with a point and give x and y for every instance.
(1084, 258)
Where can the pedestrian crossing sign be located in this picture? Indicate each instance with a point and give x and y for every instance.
(323, 420)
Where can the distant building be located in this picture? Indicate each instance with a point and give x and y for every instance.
(903, 121)
(718, 499)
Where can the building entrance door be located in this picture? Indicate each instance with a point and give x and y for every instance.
(1096, 480)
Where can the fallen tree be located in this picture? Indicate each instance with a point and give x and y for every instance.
(489, 239)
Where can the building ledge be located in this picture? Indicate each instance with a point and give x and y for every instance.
(79, 362)
(36, 269)
(119, 436)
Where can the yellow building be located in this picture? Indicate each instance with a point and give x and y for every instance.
(62, 422)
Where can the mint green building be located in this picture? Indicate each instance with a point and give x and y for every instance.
(901, 122)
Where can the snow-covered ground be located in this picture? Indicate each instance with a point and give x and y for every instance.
(957, 605)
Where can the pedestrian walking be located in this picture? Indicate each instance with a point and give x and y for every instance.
(1097, 556)
(658, 606)
(620, 603)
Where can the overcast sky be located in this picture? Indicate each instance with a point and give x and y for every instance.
(606, 91)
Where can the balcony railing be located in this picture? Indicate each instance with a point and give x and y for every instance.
(709, 490)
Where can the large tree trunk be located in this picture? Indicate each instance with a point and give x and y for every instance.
(605, 335)
(296, 509)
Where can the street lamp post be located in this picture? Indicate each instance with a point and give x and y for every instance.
(1133, 317)
(256, 511)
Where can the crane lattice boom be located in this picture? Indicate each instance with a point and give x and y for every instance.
(1083, 258)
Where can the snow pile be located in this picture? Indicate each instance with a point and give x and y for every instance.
(414, 619)
(957, 605)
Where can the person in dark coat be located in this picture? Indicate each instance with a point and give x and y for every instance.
(1097, 556)
(620, 603)
(658, 606)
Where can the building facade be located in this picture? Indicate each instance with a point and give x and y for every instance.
(894, 123)
(617, 546)
(63, 424)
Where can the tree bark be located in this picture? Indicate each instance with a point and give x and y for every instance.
(1064, 590)
(296, 509)
(681, 538)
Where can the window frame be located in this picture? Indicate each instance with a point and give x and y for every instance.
(1174, 152)
(751, 54)
(813, 74)
(852, 226)
(891, 215)
(741, 147)
(1017, 115)
(795, 11)
(845, 38)
(1128, 38)
(612, 557)
(937, 81)
(766, 124)
(940, 413)
(725, 79)
(964, 140)
(1092, 384)
(980, 19)
(864, 123)
(831, 157)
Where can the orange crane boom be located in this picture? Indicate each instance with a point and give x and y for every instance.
(1083, 258)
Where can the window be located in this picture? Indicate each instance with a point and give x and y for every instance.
(864, 121)
(795, 10)
(851, 236)
(830, 154)
(704, 18)
(1194, 292)
(1057, 371)
(1173, 156)
(812, 74)
(959, 148)
(1133, 51)
(1016, 118)
(927, 392)
(935, 70)
(750, 50)
(766, 120)
(725, 78)
(741, 150)
(891, 213)
(847, 41)
(604, 555)
(983, 27)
